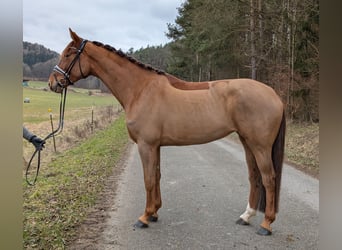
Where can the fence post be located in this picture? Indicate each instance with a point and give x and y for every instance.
(92, 119)
(52, 129)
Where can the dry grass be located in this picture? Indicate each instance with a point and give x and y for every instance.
(302, 146)
(74, 132)
(68, 186)
(71, 178)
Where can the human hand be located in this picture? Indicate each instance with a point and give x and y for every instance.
(37, 142)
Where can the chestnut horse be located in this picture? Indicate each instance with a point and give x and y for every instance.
(164, 110)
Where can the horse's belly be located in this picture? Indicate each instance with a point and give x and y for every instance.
(194, 132)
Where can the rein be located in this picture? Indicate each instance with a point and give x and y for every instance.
(59, 129)
(55, 132)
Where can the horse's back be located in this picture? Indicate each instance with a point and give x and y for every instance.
(183, 117)
(246, 93)
(246, 88)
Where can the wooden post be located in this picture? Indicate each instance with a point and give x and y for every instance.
(52, 129)
(92, 119)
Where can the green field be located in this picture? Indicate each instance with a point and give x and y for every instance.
(77, 103)
(68, 186)
(71, 179)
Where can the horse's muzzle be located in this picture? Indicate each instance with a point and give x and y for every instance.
(55, 86)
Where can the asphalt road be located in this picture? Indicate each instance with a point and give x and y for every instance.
(204, 190)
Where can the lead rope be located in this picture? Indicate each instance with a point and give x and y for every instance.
(55, 132)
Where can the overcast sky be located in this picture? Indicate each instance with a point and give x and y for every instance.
(122, 24)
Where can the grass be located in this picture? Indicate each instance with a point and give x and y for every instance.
(302, 145)
(68, 186)
(70, 179)
(78, 102)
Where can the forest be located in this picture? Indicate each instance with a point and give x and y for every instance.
(273, 41)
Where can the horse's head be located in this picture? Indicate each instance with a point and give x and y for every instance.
(72, 66)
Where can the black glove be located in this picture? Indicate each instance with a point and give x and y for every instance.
(37, 142)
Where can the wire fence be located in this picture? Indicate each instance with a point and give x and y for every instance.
(80, 124)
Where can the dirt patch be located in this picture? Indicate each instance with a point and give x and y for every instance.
(89, 232)
(313, 172)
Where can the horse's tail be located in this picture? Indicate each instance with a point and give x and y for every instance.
(277, 160)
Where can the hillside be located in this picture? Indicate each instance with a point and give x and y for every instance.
(38, 62)
(35, 53)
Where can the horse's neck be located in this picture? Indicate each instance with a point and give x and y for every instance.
(124, 79)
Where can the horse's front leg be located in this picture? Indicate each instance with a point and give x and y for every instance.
(158, 201)
(150, 155)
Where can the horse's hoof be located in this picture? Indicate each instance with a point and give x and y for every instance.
(140, 224)
(264, 232)
(153, 218)
(242, 222)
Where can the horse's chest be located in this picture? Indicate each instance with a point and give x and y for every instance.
(141, 130)
(132, 129)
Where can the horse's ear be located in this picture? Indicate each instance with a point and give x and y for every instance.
(74, 36)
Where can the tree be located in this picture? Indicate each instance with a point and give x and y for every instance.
(157, 56)
(207, 38)
(273, 41)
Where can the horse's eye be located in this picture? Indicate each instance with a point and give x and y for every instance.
(67, 55)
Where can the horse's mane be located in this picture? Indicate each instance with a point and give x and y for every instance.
(174, 81)
(129, 58)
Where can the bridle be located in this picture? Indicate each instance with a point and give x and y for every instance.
(66, 73)
(59, 129)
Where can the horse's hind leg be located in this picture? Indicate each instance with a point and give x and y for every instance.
(264, 162)
(255, 183)
(150, 160)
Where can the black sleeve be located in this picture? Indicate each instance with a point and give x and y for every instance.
(27, 134)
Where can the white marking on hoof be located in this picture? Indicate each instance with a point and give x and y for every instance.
(248, 213)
